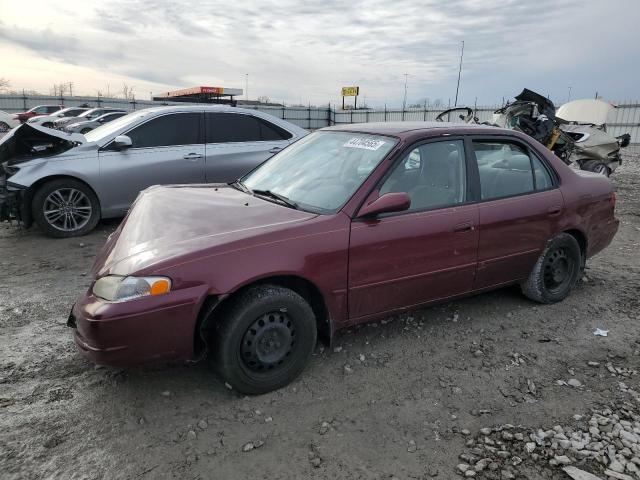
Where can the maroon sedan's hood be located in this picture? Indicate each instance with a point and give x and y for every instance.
(174, 222)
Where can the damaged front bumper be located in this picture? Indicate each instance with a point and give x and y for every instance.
(12, 204)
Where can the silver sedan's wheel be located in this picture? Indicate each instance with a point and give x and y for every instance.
(67, 209)
(4, 127)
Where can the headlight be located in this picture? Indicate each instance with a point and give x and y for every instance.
(118, 289)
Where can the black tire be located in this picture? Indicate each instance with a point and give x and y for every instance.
(4, 127)
(556, 271)
(254, 358)
(87, 209)
(596, 167)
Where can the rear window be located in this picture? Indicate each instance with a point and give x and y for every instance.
(238, 127)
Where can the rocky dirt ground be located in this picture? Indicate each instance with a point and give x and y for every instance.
(492, 386)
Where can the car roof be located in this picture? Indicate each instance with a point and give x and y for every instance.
(403, 129)
(199, 108)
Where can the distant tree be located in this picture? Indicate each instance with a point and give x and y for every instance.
(4, 84)
(264, 99)
(127, 91)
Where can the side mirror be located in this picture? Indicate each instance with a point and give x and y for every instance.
(122, 141)
(101, 120)
(389, 202)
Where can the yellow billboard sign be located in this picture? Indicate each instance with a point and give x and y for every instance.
(350, 91)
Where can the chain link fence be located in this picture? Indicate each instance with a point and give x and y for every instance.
(623, 119)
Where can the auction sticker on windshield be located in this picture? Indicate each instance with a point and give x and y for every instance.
(364, 143)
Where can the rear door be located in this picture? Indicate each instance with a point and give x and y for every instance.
(167, 149)
(519, 210)
(426, 253)
(238, 142)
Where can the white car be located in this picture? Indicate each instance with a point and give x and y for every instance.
(47, 120)
(7, 121)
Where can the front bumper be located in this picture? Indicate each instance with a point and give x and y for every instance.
(137, 331)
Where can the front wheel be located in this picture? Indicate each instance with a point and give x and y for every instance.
(556, 271)
(65, 208)
(264, 339)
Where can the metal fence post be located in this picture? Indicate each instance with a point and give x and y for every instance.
(351, 116)
(309, 116)
(24, 101)
(385, 112)
(329, 115)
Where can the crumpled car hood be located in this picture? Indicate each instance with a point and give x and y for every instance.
(29, 141)
(178, 222)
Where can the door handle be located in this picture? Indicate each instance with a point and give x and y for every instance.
(464, 227)
(554, 210)
(275, 149)
(193, 156)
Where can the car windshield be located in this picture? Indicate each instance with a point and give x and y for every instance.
(322, 171)
(110, 128)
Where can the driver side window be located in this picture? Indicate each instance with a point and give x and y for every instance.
(433, 175)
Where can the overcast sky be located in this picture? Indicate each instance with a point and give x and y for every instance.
(305, 51)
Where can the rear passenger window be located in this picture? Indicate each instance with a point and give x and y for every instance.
(232, 127)
(543, 178)
(505, 169)
(433, 175)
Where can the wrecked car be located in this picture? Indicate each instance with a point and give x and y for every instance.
(66, 182)
(576, 132)
(348, 225)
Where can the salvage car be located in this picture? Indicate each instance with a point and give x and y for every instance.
(47, 120)
(347, 225)
(90, 114)
(7, 121)
(36, 111)
(576, 132)
(87, 125)
(66, 182)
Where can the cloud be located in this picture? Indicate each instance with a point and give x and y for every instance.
(305, 52)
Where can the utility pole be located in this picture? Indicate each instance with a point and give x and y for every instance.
(404, 102)
(246, 86)
(459, 73)
(569, 97)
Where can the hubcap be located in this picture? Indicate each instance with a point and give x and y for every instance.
(558, 270)
(67, 209)
(268, 341)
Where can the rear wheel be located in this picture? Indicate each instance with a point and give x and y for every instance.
(264, 339)
(65, 208)
(556, 271)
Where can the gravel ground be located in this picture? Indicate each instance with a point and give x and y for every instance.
(404, 398)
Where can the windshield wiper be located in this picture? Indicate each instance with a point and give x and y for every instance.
(238, 185)
(277, 196)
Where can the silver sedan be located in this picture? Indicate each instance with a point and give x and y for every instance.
(88, 125)
(66, 182)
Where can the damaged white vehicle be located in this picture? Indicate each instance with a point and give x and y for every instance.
(576, 132)
(593, 148)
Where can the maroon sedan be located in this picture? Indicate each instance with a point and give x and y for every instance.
(347, 225)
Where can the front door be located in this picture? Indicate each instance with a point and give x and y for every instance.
(519, 210)
(165, 150)
(426, 253)
(237, 143)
